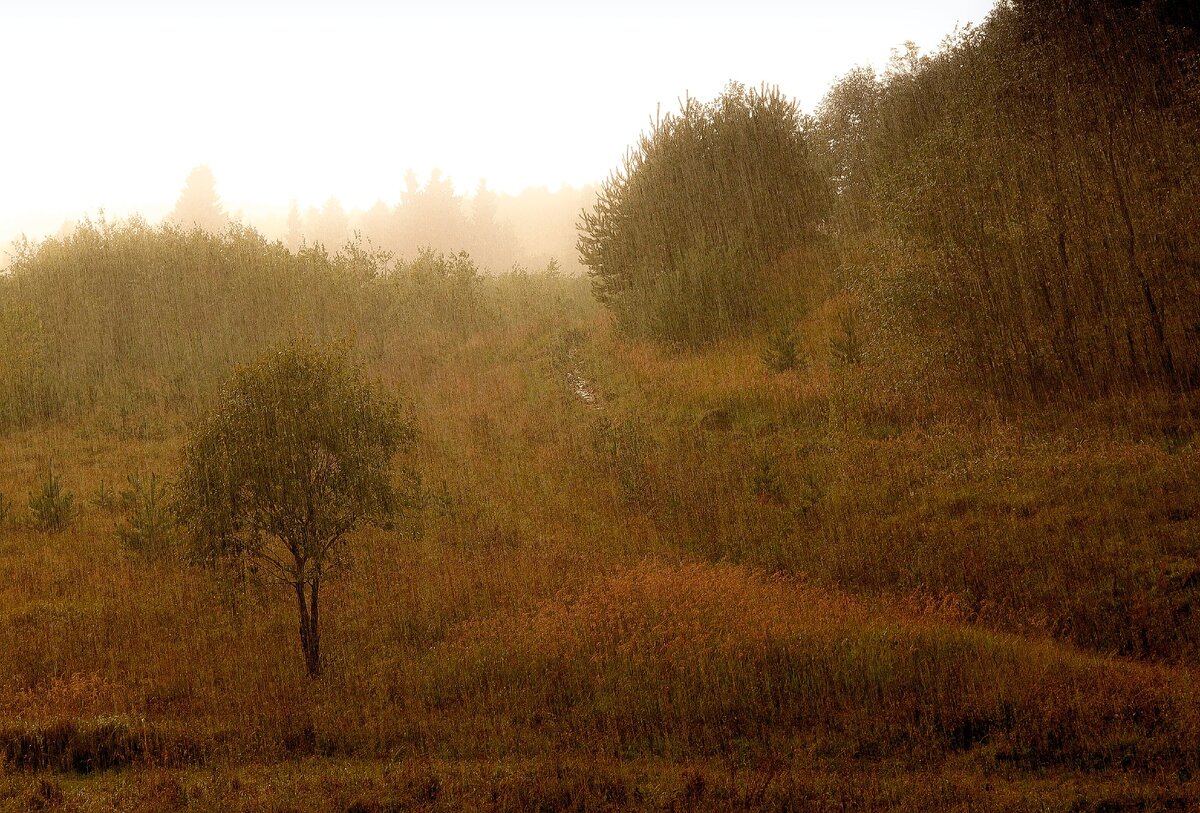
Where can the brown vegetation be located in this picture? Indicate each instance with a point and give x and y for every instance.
(562, 582)
(876, 558)
(1027, 197)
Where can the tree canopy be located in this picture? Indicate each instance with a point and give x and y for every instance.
(716, 211)
(1024, 200)
(296, 455)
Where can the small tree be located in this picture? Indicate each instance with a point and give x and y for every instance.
(51, 507)
(147, 524)
(782, 352)
(296, 455)
(846, 346)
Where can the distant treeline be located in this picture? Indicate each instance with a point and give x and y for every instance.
(128, 316)
(1021, 207)
(499, 231)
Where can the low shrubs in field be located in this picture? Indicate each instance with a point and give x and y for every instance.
(148, 523)
(51, 507)
(782, 351)
(702, 658)
(93, 745)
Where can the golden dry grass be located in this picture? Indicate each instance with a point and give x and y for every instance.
(569, 617)
(714, 587)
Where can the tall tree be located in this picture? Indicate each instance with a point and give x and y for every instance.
(198, 204)
(332, 227)
(492, 241)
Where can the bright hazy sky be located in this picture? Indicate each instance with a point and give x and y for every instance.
(112, 103)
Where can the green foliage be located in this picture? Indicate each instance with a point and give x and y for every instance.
(134, 315)
(147, 526)
(810, 490)
(94, 744)
(23, 383)
(296, 455)
(713, 219)
(51, 508)
(782, 351)
(298, 450)
(766, 483)
(1025, 200)
(103, 499)
(132, 319)
(447, 286)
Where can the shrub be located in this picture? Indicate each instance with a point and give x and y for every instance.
(103, 499)
(147, 524)
(94, 744)
(766, 483)
(782, 353)
(52, 506)
(846, 345)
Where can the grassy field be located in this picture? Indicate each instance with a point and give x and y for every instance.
(627, 577)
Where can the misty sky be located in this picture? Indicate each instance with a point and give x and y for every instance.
(111, 104)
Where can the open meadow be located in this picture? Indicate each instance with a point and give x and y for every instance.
(619, 578)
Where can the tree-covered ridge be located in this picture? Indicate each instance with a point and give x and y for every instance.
(1020, 206)
(1032, 192)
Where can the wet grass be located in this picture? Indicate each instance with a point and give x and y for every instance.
(715, 587)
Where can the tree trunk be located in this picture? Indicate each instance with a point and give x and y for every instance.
(313, 654)
(310, 642)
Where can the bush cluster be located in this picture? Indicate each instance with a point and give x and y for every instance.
(714, 218)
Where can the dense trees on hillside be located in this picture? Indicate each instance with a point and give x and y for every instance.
(715, 215)
(1032, 192)
(1020, 207)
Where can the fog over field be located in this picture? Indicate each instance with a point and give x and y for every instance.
(113, 104)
